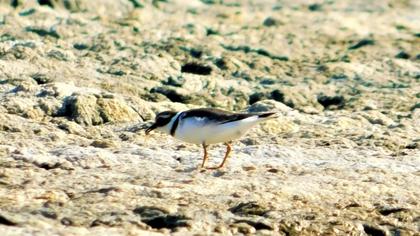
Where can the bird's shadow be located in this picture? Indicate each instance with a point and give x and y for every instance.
(214, 173)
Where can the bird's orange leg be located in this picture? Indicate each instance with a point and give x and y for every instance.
(205, 155)
(228, 149)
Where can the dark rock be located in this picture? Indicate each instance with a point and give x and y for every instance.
(242, 75)
(259, 51)
(412, 145)
(110, 219)
(264, 52)
(115, 71)
(102, 144)
(158, 218)
(176, 82)
(362, 43)
(255, 97)
(329, 102)
(46, 3)
(168, 221)
(270, 21)
(196, 53)
(258, 225)
(221, 63)
(15, 3)
(249, 208)
(136, 4)
(106, 190)
(339, 77)
(210, 31)
(315, 7)
(416, 106)
(43, 32)
(48, 166)
(268, 82)
(80, 46)
(277, 95)
(402, 55)
(57, 55)
(387, 211)
(5, 221)
(48, 213)
(27, 12)
(373, 231)
(41, 78)
(195, 68)
(209, 2)
(145, 211)
(171, 94)
(66, 221)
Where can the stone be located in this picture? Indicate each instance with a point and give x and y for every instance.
(158, 218)
(83, 109)
(402, 55)
(269, 105)
(331, 102)
(250, 208)
(116, 110)
(270, 21)
(195, 68)
(376, 117)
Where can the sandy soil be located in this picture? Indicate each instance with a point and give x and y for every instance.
(79, 80)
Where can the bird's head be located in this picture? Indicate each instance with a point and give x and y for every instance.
(162, 120)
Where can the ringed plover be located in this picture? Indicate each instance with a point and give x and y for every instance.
(207, 126)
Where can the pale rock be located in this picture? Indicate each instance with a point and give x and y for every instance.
(84, 109)
(269, 106)
(116, 110)
(376, 117)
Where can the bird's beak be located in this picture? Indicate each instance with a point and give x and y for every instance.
(148, 130)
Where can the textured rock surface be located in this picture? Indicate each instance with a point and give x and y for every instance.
(78, 82)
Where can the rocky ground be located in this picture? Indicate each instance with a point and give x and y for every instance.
(80, 79)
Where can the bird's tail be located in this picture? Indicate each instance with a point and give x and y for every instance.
(267, 115)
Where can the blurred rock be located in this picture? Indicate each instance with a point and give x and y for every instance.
(94, 110)
(331, 102)
(376, 117)
(116, 110)
(270, 21)
(83, 109)
(269, 105)
(402, 55)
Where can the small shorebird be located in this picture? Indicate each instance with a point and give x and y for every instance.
(207, 126)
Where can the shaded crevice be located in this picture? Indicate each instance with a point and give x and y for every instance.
(195, 68)
(158, 218)
(259, 51)
(5, 221)
(373, 231)
(331, 101)
(46, 3)
(14, 3)
(362, 43)
(43, 32)
(388, 211)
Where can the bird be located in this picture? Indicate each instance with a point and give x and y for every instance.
(206, 126)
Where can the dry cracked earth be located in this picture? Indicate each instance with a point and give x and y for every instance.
(80, 80)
